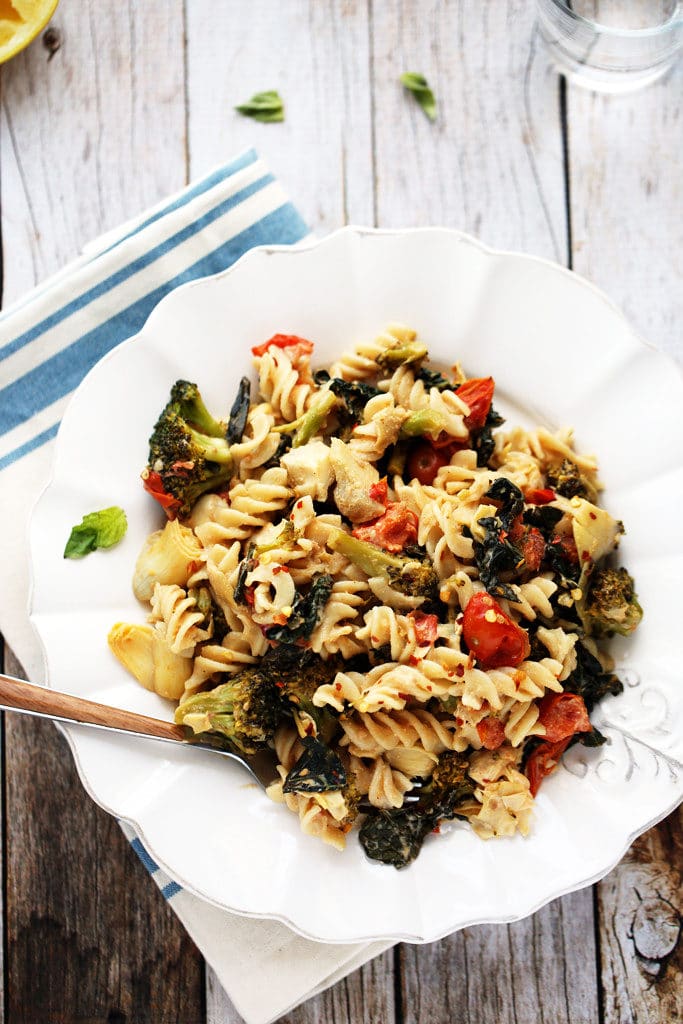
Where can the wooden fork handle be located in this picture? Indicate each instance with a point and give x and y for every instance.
(18, 695)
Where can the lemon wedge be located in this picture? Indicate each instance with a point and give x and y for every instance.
(20, 22)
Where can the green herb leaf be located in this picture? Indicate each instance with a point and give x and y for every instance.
(264, 106)
(417, 84)
(100, 529)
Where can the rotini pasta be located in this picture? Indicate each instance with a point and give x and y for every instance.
(361, 573)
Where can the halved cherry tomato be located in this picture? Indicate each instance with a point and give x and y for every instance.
(491, 635)
(477, 393)
(539, 496)
(563, 715)
(542, 762)
(154, 485)
(391, 531)
(426, 627)
(283, 341)
(491, 733)
(425, 462)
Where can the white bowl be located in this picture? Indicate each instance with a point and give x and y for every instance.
(561, 354)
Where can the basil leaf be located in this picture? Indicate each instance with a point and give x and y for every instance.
(100, 529)
(417, 84)
(264, 106)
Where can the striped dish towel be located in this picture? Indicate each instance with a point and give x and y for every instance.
(48, 342)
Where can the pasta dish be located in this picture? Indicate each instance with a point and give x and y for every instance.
(364, 569)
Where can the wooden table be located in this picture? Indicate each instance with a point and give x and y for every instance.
(119, 104)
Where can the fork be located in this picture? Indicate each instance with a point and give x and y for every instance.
(29, 699)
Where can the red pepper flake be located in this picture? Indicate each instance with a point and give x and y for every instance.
(299, 504)
(378, 491)
(338, 687)
(249, 595)
(592, 515)
(460, 721)
(413, 660)
(280, 685)
(460, 671)
(436, 831)
(585, 556)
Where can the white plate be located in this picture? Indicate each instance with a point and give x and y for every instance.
(560, 354)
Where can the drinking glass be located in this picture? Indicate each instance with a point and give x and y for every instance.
(612, 45)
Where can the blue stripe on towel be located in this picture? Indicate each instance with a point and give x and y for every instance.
(60, 374)
(135, 267)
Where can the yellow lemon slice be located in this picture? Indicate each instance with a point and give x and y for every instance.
(20, 22)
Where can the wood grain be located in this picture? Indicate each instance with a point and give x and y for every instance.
(88, 137)
(640, 908)
(316, 53)
(539, 971)
(88, 934)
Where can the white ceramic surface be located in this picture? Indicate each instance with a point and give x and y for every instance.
(561, 354)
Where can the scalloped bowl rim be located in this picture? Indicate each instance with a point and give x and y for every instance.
(72, 732)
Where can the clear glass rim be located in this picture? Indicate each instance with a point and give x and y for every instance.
(623, 33)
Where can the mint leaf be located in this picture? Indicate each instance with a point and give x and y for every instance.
(264, 106)
(100, 529)
(417, 85)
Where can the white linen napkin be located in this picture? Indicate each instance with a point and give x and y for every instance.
(48, 342)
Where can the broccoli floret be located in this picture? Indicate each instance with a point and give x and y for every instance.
(611, 604)
(245, 710)
(412, 576)
(188, 454)
(188, 403)
(567, 479)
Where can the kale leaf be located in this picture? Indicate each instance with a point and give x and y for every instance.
(433, 379)
(482, 441)
(495, 554)
(306, 612)
(318, 770)
(590, 680)
(238, 413)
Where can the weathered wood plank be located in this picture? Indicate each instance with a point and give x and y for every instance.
(492, 163)
(89, 935)
(641, 930)
(538, 971)
(626, 171)
(88, 138)
(316, 55)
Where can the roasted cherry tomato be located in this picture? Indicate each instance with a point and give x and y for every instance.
(477, 393)
(563, 715)
(491, 635)
(425, 462)
(539, 496)
(284, 341)
(391, 531)
(544, 760)
(426, 627)
(491, 733)
(154, 485)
